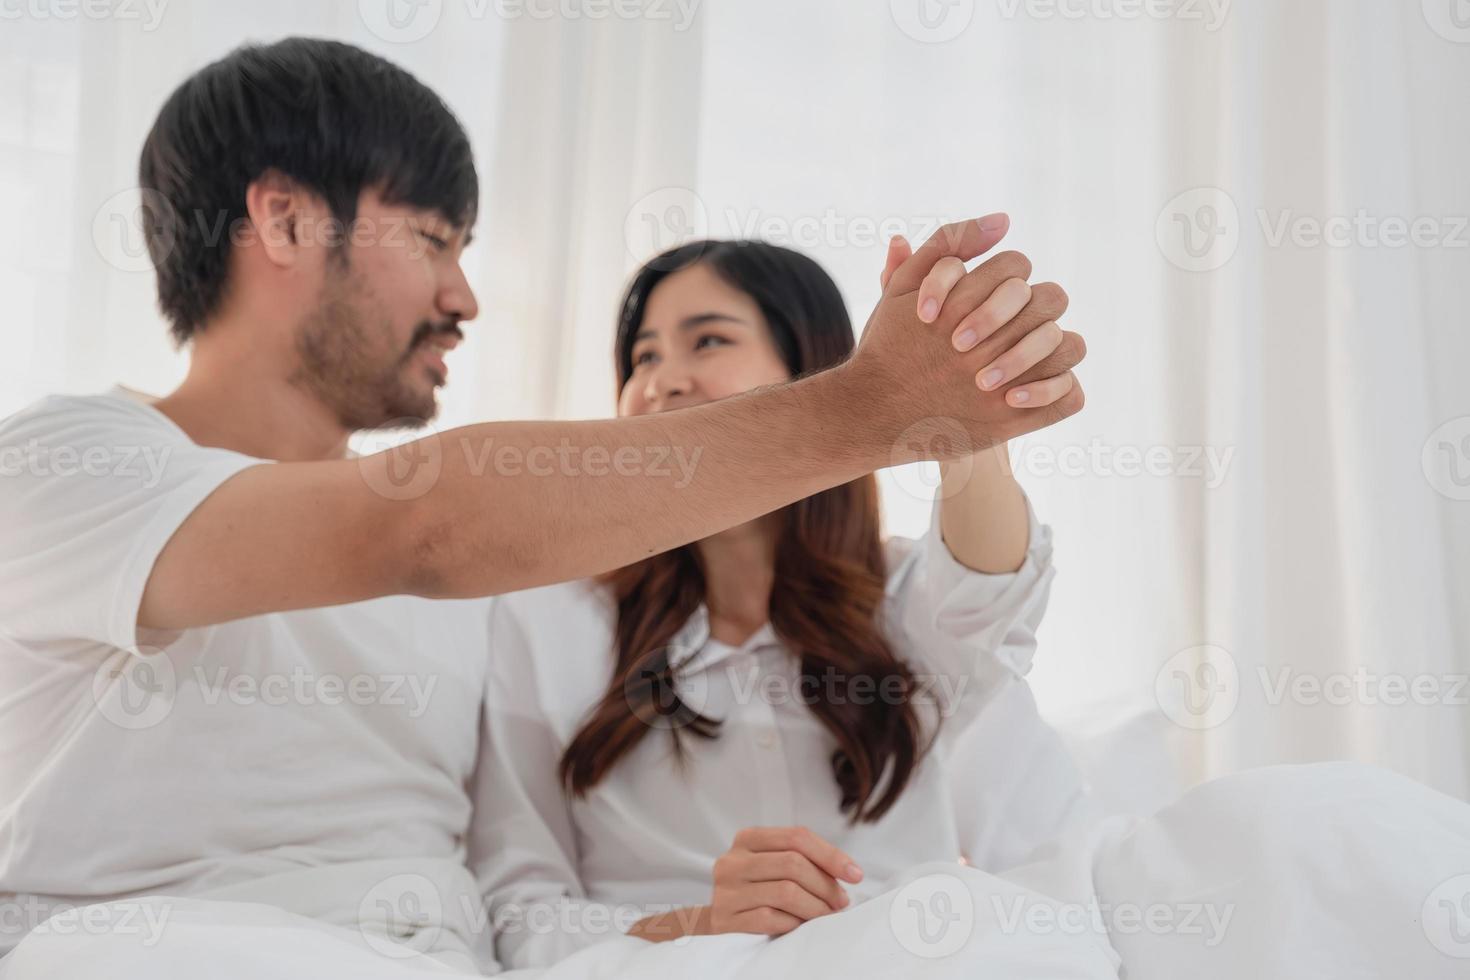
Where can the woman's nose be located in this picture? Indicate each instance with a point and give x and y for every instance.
(668, 381)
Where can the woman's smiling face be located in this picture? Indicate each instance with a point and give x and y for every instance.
(701, 340)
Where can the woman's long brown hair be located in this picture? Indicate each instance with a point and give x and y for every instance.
(830, 575)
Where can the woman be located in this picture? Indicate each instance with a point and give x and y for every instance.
(749, 732)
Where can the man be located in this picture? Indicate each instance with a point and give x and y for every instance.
(222, 671)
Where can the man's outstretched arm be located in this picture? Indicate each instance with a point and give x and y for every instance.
(511, 505)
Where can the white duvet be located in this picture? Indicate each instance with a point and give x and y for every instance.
(1334, 871)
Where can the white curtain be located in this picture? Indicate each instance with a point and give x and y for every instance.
(1256, 206)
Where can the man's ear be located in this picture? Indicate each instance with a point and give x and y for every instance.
(281, 213)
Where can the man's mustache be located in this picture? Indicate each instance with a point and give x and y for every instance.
(426, 331)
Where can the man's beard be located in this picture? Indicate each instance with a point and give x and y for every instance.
(349, 360)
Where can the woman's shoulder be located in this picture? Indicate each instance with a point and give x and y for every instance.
(551, 639)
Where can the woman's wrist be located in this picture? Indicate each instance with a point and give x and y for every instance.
(688, 921)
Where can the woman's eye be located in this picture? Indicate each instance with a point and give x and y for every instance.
(434, 240)
(644, 358)
(715, 341)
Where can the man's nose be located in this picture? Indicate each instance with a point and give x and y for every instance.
(456, 298)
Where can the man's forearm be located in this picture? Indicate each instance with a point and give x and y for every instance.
(520, 504)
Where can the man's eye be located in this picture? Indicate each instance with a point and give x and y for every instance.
(434, 240)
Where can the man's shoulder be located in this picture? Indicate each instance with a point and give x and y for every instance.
(58, 414)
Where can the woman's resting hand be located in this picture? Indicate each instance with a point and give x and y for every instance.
(771, 880)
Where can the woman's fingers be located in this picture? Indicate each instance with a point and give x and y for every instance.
(965, 240)
(1031, 350)
(792, 866)
(784, 896)
(1039, 394)
(815, 849)
(764, 922)
(1003, 306)
(936, 286)
(899, 251)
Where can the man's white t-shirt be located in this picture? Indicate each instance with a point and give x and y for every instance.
(199, 761)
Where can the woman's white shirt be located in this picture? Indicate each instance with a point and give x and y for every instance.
(559, 874)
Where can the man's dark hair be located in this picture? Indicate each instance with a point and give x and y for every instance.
(331, 116)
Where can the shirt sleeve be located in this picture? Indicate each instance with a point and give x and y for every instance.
(522, 846)
(91, 490)
(967, 634)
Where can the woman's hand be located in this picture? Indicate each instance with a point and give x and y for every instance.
(1009, 301)
(983, 518)
(771, 880)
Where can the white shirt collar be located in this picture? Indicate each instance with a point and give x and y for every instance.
(692, 649)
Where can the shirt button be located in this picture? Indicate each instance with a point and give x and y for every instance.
(766, 740)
